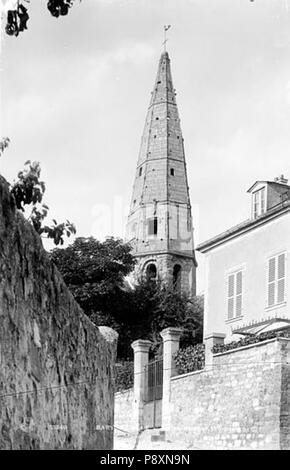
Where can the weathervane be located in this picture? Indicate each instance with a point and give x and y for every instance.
(166, 28)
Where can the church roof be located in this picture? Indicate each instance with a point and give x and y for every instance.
(161, 155)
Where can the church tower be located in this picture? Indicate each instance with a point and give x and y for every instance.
(159, 222)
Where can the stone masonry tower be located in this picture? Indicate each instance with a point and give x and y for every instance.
(159, 223)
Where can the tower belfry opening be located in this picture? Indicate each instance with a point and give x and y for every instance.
(160, 210)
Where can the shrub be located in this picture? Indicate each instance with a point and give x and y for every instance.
(219, 348)
(124, 376)
(190, 359)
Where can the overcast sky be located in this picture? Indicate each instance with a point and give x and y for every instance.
(75, 92)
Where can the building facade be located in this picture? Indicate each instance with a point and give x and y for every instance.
(160, 222)
(248, 268)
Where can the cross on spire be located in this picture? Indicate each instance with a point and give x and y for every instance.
(166, 28)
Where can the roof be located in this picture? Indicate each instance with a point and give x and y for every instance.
(243, 227)
(273, 183)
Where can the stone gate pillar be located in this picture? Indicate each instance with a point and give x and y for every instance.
(171, 337)
(210, 341)
(141, 356)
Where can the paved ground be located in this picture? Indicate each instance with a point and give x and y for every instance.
(143, 441)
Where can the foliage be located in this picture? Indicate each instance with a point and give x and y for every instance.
(172, 308)
(28, 191)
(4, 144)
(219, 348)
(95, 271)
(124, 376)
(190, 358)
(17, 16)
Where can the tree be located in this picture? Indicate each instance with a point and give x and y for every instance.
(95, 273)
(156, 306)
(17, 14)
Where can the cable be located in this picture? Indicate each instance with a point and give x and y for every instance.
(207, 367)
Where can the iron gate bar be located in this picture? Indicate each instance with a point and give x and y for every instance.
(154, 380)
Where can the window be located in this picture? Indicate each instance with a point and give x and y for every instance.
(259, 203)
(276, 280)
(152, 226)
(172, 171)
(235, 292)
(151, 272)
(140, 171)
(177, 277)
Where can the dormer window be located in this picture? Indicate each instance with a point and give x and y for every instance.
(268, 195)
(259, 202)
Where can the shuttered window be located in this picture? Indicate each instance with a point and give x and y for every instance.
(259, 202)
(276, 279)
(235, 294)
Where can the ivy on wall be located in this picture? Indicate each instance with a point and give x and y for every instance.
(190, 359)
(219, 348)
(124, 376)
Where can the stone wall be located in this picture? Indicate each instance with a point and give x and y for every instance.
(241, 402)
(56, 367)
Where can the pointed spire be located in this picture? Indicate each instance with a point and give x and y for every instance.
(162, 139)
(159, 223)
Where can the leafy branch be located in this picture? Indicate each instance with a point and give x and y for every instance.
(28, 190)
(17, 17)
(4, 144)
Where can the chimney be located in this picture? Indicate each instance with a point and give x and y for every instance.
(281, 180)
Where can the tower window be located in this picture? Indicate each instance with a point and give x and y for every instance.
(140, 171)
(151, 272)
(157, 119)
(152, 226)
(177, 277)
(172, 171)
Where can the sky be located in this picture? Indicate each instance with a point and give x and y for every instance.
(75, 91)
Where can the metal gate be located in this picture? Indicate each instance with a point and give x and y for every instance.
(153, 394)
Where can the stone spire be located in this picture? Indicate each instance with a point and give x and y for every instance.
(159, 222)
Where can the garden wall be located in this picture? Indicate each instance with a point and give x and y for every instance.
(241, 402)
(56, 367)
(125, 431)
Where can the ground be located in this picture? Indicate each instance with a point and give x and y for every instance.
(126, 441)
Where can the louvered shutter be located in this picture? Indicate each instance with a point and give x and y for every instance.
(281, 278)
(271, 281)
(231, 293)
(239, 289)
(262, 200)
